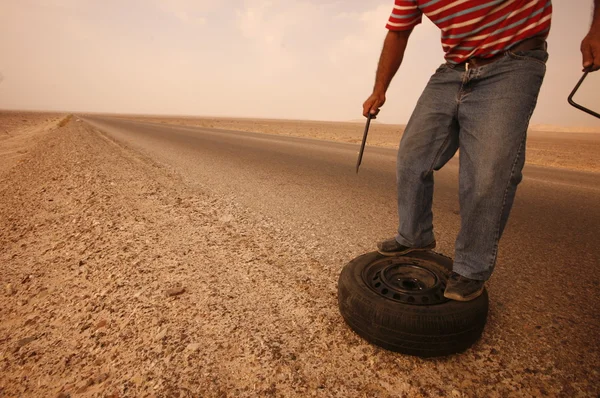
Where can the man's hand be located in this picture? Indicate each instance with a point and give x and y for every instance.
(392, 53)
(590, 46)
(372, 104)
(590, 50)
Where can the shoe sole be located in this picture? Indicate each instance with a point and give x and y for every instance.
(470, 297)
(404, 252)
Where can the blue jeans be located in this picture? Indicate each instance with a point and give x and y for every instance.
(485, 111)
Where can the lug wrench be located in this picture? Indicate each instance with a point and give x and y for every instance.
(570, 99)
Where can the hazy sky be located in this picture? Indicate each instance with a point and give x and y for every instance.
(303, 59)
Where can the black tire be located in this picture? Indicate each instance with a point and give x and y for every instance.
(408, 317)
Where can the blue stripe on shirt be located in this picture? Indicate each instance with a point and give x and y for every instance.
(476, 30)
(432, 2)
(469, 10)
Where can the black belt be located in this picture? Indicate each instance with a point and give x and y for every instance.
(533, 43)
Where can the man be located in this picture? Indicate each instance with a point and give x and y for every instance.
(480, 99)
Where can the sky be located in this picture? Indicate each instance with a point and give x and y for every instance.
(303, 59)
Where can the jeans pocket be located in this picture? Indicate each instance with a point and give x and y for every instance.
(540, 56)
(442, 68)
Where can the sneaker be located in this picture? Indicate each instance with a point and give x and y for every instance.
(391, 247)
(460, 288)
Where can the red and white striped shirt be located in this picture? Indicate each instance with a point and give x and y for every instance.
(476, 28)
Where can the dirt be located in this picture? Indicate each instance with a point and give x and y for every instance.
(119, 280)
(571, 150)
(19, 131)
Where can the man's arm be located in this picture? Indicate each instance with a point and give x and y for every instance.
(389, 62)
(590, 46)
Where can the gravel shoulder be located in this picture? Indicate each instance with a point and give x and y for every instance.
(120, 280)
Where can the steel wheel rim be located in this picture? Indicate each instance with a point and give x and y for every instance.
(406, 280)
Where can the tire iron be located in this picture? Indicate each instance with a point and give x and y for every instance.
(364, 141)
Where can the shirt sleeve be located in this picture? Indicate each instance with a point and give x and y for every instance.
(405, 15)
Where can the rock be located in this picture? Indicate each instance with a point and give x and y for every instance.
(161, 334)
(137, 379)
(101, 378)
(10, 290)
(226, 218)
(101, 324)
(176, 291)
(63, 395)
(24, 342)
(193, 347)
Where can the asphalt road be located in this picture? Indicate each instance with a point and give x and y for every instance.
(545, 289)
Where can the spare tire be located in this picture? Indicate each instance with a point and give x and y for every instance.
(398, 303)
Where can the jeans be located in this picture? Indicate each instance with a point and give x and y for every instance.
(485, 112)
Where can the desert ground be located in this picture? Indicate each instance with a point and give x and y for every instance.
(119, 280)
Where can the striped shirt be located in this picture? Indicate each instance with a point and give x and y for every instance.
(476, 28)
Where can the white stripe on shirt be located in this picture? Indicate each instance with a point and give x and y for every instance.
(399, 25)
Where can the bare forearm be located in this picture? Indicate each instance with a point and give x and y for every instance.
(391, 58)
(394, 46)
(596, 16)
